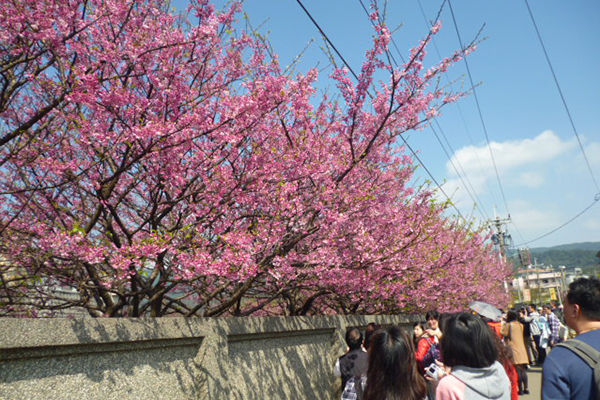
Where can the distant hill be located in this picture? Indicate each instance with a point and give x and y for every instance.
(574, 255)
(593, 246)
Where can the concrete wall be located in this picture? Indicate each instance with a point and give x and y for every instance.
(175, 358)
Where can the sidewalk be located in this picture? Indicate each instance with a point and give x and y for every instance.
(535, 384)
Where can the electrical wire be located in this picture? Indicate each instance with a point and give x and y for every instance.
(433, 179)
(393, 60)
(487, 138)
(596, 199)
(480, 209)
(472, 192)
(486, 216)
(327, 39)
(457, 104)
(562, 97)
(354, 74)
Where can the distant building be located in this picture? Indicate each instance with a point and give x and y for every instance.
(539, 284)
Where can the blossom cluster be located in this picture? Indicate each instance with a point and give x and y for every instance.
(160, 167)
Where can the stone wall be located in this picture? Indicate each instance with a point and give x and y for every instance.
(175, 358)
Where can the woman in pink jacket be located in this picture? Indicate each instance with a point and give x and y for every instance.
(470, 357)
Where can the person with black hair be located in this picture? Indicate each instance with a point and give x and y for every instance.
(524, 319)
(433, 323)
(565, 374)
(418, 332)
(428, 349)
(558, 310)
(425, 354)
(554, 324)
(371, 328)
(355, 361)
(392, 372)
(536, 333)
(470, 359)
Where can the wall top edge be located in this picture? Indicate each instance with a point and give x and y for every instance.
(24, 333)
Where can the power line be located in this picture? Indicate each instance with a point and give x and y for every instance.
(486, 217)
(596, 199)
(456, 104)
(472, 192)
(432, 178)
(562, 97)
(487, 138)
(404, 140)
(327, 39)
(393, 60)
(392, 39)
(517, 229)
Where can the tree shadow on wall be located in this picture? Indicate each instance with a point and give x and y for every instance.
(279, 358)
(133, 358)
(168, 358)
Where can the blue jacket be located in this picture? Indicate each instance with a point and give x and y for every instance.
(566, 376)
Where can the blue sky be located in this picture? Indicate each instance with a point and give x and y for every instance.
(545, 179)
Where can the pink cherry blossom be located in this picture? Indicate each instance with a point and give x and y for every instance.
(157, 166)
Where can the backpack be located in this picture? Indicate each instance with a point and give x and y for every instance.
(588, 354)
(353, 363)
(359, 387)
(432, 354)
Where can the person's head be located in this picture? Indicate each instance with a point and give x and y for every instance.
(582, 302)
(468, 341)
(554, 304)
(393, 372)
(353, 338)
(433, 319)
(442, 320)
(511, 316)
(547, 309)
(372, 327)
(418, 329)
(531, 308)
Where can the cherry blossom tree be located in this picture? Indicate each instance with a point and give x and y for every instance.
(151, 166)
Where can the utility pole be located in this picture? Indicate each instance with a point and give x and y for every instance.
(502, 240)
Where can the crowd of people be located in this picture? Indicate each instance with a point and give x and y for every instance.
(472, 356)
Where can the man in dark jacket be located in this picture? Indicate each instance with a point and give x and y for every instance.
(355, 361)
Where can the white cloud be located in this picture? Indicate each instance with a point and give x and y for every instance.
(545, 181)
(525, 161)
(511, 154)
(531, 179)
(531, 218)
